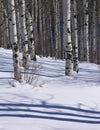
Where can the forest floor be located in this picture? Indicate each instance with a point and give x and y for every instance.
(52, 101)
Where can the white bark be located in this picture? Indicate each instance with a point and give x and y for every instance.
(68, 49)
(86, 31)
(13, 39)
(18, 25)
(74, 34)
(30, 36)
(24, 38)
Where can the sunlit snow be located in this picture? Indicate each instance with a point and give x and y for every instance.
(52, 101)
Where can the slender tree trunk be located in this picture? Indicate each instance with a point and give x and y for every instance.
(1, 23)
(34, 22)
(68, 49)
(18, 25)
(61, 29)
(56, 28)
(74, 34)
(97, 32)
(64, 24)
(44, 28)
(3, 26)
(30, 36)
(80, 25)
(86, 31)
(50, 30)
(13, 39)
(94, 31)
(24, 38)
(41, 26)
(51, 37)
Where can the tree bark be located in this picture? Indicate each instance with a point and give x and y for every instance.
(24, 38)
(68, 49)
(74, 34)
(86, 30)
(13, 39)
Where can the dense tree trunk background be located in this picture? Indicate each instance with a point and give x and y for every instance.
(42, 29)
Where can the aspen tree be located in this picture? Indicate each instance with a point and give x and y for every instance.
(97, 32)
(94, 31)
(68, 49)
(1, 23)
(18, 25)
(80, 24)
(24, 38)
(51, 37)
(34, 21)
(48, 46)
(3, 26)
(60, 29)
(40, 7)
(44, 26)
(30, 36)
(86, 30)
(64, 23)
(56, 28)
(47, 29)
(13, 38)
(74, 34)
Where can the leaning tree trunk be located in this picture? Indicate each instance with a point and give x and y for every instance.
(13, 39)
(68, 49)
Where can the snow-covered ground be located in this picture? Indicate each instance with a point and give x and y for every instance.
(53, 101)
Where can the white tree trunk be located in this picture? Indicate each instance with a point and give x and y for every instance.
(74, 34)
(86, 31)
(68, 49)
(18, 25)
(56, 28)
(13, 39)
(30, 36)
(24, 38)
(94, 31)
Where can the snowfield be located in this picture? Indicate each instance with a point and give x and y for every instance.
(52, 101)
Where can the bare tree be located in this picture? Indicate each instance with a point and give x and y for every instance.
(86, 30)
(30, 36)
(74, 34)
(68, 49)
(13, 38)
(24, 37)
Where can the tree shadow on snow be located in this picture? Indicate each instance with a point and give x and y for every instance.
(50, 112)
